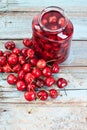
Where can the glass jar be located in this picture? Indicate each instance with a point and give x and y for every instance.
(52, 34)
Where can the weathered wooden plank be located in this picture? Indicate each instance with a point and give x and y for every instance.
(77, 57)
(76, 77)
(18, 25)
(3, 5)
(22, 5)
(26, 7)
(3, 2)
(75, 98)
(65, 114)
(22, 116)
(41, 3)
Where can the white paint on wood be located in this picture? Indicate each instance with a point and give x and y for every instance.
(76, 77)
(37, 3)
(22, 5)
(19, 25)
(25, 117)
(70, 112)
(74, 97)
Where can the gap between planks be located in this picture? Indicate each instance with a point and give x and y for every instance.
(47, 104)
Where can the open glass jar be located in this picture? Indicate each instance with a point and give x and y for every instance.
(52, 34)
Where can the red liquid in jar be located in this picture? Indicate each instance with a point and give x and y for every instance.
(52, 35)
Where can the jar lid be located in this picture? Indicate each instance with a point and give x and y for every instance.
(53, 19)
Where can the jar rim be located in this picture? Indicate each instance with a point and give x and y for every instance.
(48, 9)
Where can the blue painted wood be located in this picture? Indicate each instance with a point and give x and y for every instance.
(12, 23)
(26, 5)
(18, 25)
(49, 2)
(15, 23)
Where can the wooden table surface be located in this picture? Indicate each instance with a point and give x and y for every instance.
(66, 112)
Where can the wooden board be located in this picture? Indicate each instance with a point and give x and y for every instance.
(22, 5)
(73, 98)
(25, 117)
(19, 25)
(66, 112)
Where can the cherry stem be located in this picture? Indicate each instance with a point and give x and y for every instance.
(50, 66)
(27, 58)
(51, 61)
(39, 98)
(65, 91)
(10, 68)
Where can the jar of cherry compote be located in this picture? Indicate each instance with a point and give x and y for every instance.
(52, 34)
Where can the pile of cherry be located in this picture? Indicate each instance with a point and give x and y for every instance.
(29, 74)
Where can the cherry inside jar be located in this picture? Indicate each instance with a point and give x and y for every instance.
(52, 34)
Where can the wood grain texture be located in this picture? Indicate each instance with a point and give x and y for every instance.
(18, 25)
(76, 90)
(22, 5)
(44, 2)
(48, 118)
(66, 112)
(76, 77)
(73, 98)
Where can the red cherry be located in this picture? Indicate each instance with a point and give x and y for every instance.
(17, 68)
(41, 63)
(39, 83)
(61, 83)
(21, 60)
(24, 52)
(1, 70)
(55, 68)
(31, 86)
(6, 68)
(12, 59)
(30, 53)
(44, 21)
(49, 81)
(52, 19)
(26, 67)
(42, 95)
(1, 53)
(27, 42)
(53, 93)
(2, 60)
(29, 78)
(30, 96)
(62, 21)
(47, 71)
(33, 61)
(47, 46)
(21, 75)
(21, 86)
(16, 51)
(6, 54)
(11, 79)
(36, 72)
(10, 45)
